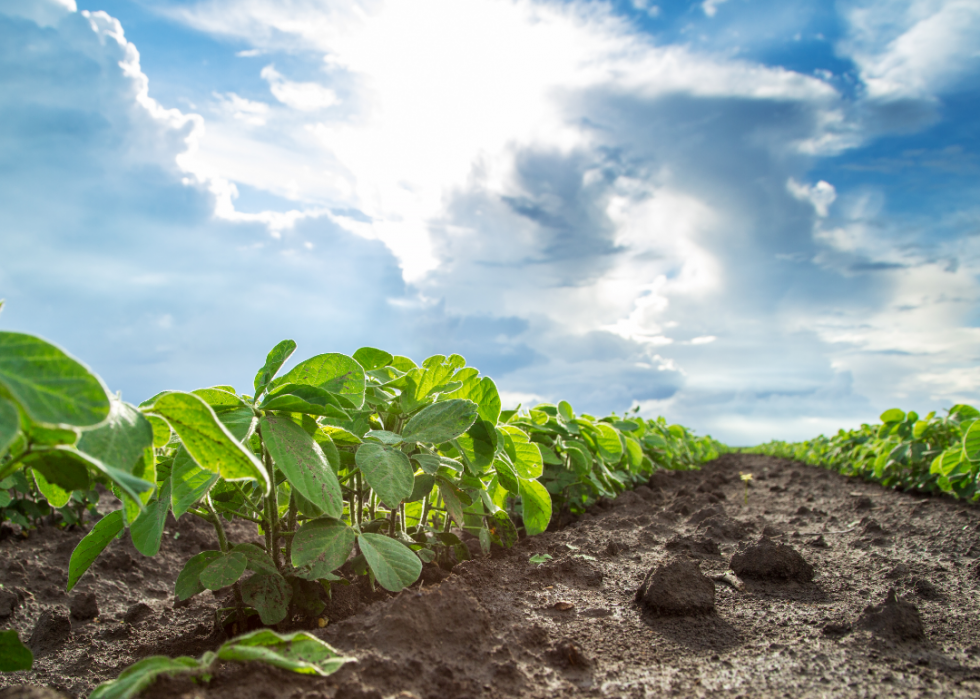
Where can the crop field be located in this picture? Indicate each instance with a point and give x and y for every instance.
(365, 526)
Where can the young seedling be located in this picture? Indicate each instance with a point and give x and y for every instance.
(746, 479)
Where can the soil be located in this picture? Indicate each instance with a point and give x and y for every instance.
(841, 588)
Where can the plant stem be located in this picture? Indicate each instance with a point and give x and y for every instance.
(360, 500)
(11, 465)
(426, 505)
(216, 523)
(272, 509)
(290, 525)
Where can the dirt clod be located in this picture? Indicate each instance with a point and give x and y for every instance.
(863, 502)
(8, 603)
(926, 590)
(52, 630)
(84, 606)
(771, 560)
(894, 619)
(677, 588)
(137, 613)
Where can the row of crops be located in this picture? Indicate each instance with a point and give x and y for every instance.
(931, 454)
(368, 462)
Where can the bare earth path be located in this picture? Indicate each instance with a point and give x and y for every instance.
(570, 627)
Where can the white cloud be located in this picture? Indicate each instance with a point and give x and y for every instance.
(913, 48)
(821, 195)
(306, 97)
(710, 7)
(241, 109)
(44, 13)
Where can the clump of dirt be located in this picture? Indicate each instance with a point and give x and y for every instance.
(895, 619)
(771, 560)
(677, 588)
(84, 606)
(52, 630)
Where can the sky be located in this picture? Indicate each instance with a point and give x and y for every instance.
(758, 218)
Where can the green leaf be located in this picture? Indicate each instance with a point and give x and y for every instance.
(507, 476)
(371, 358)
(503, 528)
(14, 655)
(39, 435)
(92, 544)
(565, 410)
(441, 422)
(946, 462)
(402, 363)
(395, 566)
(423, 486)
(635, 453)
(147, 530)
(9, 424)
(224, 570)
(320, 547)
(300, 398)
(536, 503)
(189, 482)
(431, 463)
(580, 456)
(269, 594)
(299, 652)
(241, 422)
(140, 675)
(526, 457)
(206, 439)
(189, 581)
(51, 386)
(539, 558)
(383, 437)
(302, 461)
(219, 399)
(161, 431)
(258, 560)
(388, 471)
(61, 466)
(450, 496)
(54, 494)
(608, 441)
(483, 392)
(339, 436)
(337, 373)
(477, 444)
(892, 415)
(273, 363)
(971, 442)
(121, 439)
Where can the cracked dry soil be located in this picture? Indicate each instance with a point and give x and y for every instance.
(889, 606)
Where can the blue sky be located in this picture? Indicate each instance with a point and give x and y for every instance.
(760, 219)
